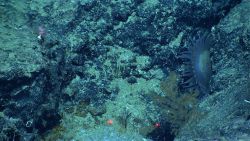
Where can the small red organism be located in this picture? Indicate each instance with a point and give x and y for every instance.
(110, 122)
(157, 125)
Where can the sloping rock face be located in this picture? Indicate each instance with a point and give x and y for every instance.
(99, 57)
(226, 112)
(20, 58)
(23, 77)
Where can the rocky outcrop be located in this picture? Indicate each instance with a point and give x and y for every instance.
(226, 112)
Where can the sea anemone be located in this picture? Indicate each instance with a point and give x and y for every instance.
(197, 72)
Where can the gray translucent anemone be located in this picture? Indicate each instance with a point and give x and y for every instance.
(198, 65)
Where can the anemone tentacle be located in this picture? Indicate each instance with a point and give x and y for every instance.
(197, 65)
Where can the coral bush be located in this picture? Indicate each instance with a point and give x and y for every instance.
(176, 107)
